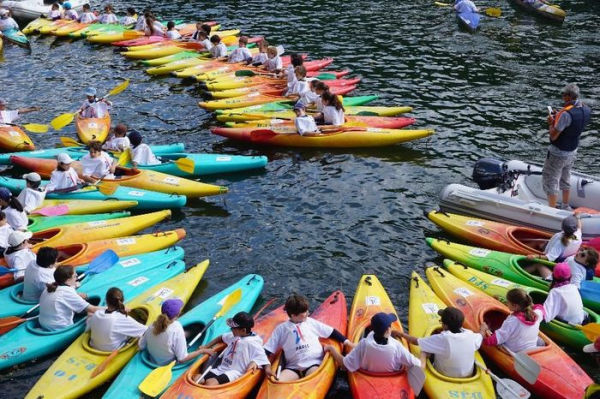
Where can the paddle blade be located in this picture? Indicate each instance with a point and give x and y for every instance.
(229, 302)
(493, 12)
(510, 389)
(6, 270)
(526, 367)
(591, 331)
(104, 261)
(36, 128)
(62, 120)
(186, 165)
(107, 188)
(125, 157)
(326, 76)
(118, 89)
(439, 3)
(416, 379)
(102, 366)
(245, 72)
(157, 380)
(69, 142)
(56, 210)
(8, 323)
(280, 50)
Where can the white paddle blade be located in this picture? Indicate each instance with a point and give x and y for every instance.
(416, 379)
(510, 389)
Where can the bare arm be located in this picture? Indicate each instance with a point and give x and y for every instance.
(28, 109)
(411, 340)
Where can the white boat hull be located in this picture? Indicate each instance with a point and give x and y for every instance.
(28, 10)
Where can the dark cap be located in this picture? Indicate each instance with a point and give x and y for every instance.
(241, 320)
(382, 321)
(5, 194)
(135, 138)
(569, 225)
(452, 317)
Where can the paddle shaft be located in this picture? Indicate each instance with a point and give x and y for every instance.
(10, 323)
(497, 379)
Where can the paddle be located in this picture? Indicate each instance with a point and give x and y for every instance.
(525, 366)
(490, 11)
(106, 188)
(56, 210)
(32, 127)
(63, 120)
(590, 330)
(69, 142)
(125, 157)
(102, 366)
(158, 379)
(6, 270)
(507, 388)
(186, 165)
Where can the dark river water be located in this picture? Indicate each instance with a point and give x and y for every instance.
(315, 220)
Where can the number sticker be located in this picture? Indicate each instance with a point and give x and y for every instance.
(372, 301)
(474, 223)
(480, 252)
(93, 125)
(374, 129)
(223, 158)
(500, 282)
(130, 262)
(162, 293)
(97, 223)
(136, 193)
(14, 133)
(138, 281)
(462, 291)
(125, 241)
(171, 180)
(255, 94)
(430, 308)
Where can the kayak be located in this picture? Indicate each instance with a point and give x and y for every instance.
(70, 374)
(112, 35)
(509, 267)
(237, 115)
(249, 100)
(92, 129)
(140, 199)
(97, 28)
(35, 25)
(227, 37)
(201, 65)
(560, 376)
(468, 20)
(542, 9)
(13, 138)
(231, 81)
(30, 341)
(51, 27)
(38, 223)
(186, 387)
(126, 384)
(173, 62)
(185, 29)
(85, 207)
(385, 122)
(140, 179)
(78, 152)
(271, 90)
(288, 105)
(332, 312)
(17, 37)
(424, 321)
(498, 287)
(67, 29)
(371, 298)
(367, 137)
(128, 249)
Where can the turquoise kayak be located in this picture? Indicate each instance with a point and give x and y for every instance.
(39, 223)
(29, 341)
(288, 105)
(147, 200)
(126, 384)
(17, 37)
(77, 152)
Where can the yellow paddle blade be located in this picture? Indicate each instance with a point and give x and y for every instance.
(157, 380)
(438, 3)
(186, 164)
(62, 120)
(125, 157)
(231, 300)
(119, 88)
(107, 188)
(493, 12)
(36, 127)
(69, 142)
(591, 331)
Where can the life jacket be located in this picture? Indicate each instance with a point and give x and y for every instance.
(568, 140)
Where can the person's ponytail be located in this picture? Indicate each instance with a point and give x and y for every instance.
(61, 275)
(115, 301)
(161, 324)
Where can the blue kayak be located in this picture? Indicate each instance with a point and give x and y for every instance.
(468, 20)
(17, 37)
(126, 384)
(29, 341)
(147, 200)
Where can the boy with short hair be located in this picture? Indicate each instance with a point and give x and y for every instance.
(304, 123)
(241, 53)
(38, 273)
(218, 50)
(172, 33)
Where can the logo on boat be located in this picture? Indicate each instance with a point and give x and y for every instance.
(13, 352)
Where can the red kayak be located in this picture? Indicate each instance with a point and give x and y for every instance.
(383, 122)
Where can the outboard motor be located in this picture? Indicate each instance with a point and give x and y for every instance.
(489, 173)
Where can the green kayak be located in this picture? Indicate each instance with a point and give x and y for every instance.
(39, 223)
(288, 105)
(17, 37)
(498, 287)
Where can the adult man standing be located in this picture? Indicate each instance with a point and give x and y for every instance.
(564, 128)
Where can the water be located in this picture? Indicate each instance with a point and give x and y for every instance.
(315, 220)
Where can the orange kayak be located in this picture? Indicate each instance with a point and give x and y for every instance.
(12, 139)
(89, 129)
(560, 376)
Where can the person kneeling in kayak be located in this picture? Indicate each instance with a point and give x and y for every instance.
(93, 107)
(563, 301)
(87, 16)
(109, 16)
(165, 339)
(299, 339)
(454, 347)
(141, 153)
(64, 178)
(59, 301)
(305, 124)
(244, 352)
(112, 327)
(39, 273)
(97, 165)
(218, 49)
(69, 12)
(172, 33)
(32, 196)
(376, 352)
(519, 331)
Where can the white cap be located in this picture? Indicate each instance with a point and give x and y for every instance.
(90, 91)
(3, 11)
(32, 177)
(17, 237)
(63, 157)
(590, 348)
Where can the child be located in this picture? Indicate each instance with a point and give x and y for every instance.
(32, 196)
(377, 353)
(153, 27)
(218, 50)
(9, 116)
(12, 208)
(130, 18)
(300, 85)
(111, 327)
(313, 94)
(240, 54)
(290, 71)
(260, 58)
(140, 24)
(93, 107)
(69, 12)
(55, 12)
(6, 21)
(172, 33)
(582, 265)
(63, 178)
(273, 63)
(333, 110)
(5, 231)
(454, 347)
(165, 339)
(97, 165)
(18, 255)
(461, 6)
(299, 339)
(59, 301)
(141, 154)
(119, 141)
(244, 352)
(304, 123)
(563, 301)
(109, 16)
(202, 38)
(87, 16)
(519, 331)
(39, 273)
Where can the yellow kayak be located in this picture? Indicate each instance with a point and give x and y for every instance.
(89, 129)
(183, 64)
(107, 37)
(237, 115)
(424, 321)
(35, 25)
(67, 29)
(224, 33)
(85, 207)
(54, 25)
(70, 374)
(154, 52)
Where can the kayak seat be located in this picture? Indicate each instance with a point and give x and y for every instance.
(78, 321)
(16, 292)
(494, 319)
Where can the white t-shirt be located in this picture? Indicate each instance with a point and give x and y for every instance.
(19, 260)
(565, 303)
(578, 271)
(87, 18)
(71, 14)
(166, 346)
(370, 356)
(5, 231)
(117, 143)
(516, 335)
(60, 180)
(58, 308)
(300, 342)
(36, 278)
(207, 44)
(9, 23)
(299, 87)
(54, 14)
(555, 250)
(128, 20)
(273, 64)
(240, 352)
(108, 19)
(218, 51)
(98, 167)
(240, 54)
(94, 110)
(454, 353)
(291, 77)
(309, 97)
(306, 124)
(173, 34)
(8, 116)
(31, 198)
(260, 58)
(156, 30)
(333, 116)
(109, 330)
(141, 23)
(143, 155)
(18, 220)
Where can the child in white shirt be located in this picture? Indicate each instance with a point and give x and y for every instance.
(93, 107)
(582, 265)
(87, 16)
(290, 71)
(64, 177)
(55, 12)
(12, 208)
(218, 50)
(5, 231)
(6, 21)
(109, 16)
(129, 18)
(240, 54)
(333, 110)
(97, 164)
(563, 301)
(31, 197)
(69, 12)
(18, 255)
(172, 33)
(273, 62)
(260, 58)
(141, 153)
(118, 141)
(304, 123)
(9, 116)
(39, 273)
(300, 85)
